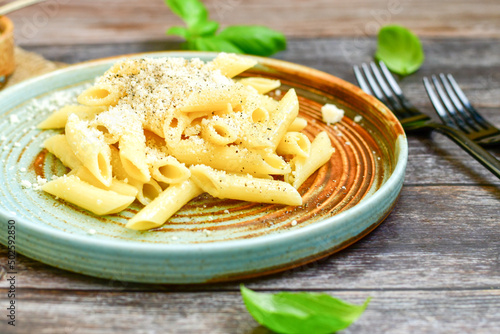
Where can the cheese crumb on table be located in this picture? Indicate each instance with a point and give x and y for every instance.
(331, 113)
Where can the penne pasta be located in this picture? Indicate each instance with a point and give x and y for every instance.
(133, 156)
(302, 167)
(268, 134)
(96, 200)
(165, 130)
(100, 95)
(58, 146)
(116, 185)
(173, 127)
(261, 85)
(116, 165)
(231, 65)
(233, 159)
(146, 191)
(294, 143)
(59, 117)
(283, 116)
(219, 131)
(298, 124)
(169, 170)
(224, 185)
(89, 147)
(164, 206)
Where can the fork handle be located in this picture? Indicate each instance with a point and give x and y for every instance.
(476, 151)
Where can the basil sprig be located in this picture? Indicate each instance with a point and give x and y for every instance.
(288, 313)
(201, 33)
(399, 49)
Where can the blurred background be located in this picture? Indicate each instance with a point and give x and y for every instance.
(121, 21)
(330, 35)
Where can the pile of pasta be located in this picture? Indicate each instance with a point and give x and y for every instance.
(165, 130)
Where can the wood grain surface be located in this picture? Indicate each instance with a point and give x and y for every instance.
(432, 267)
(81, 22)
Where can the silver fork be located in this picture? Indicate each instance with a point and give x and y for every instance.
(378, 81)
(455, 110)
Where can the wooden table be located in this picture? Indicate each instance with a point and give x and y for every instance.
(433, 266)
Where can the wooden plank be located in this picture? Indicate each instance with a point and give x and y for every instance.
(439, 237)
(393, 311)
(435, 159)
(66, 22)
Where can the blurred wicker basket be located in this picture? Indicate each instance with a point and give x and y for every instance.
(7, 61)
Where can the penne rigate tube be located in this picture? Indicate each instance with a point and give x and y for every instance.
(89, 147)
(133, 156)
(294, 143)
(96, 200)
(169, 170)
(173, 127)
(164, 206)
(59, 117)
(219, 131)
(223, 185)
(146, 191)
(302, 168)
(261, 85)
(231, 158)
(117, 186)
(58, 146)
(231, 65)
(116, 164)
(100, 95)
(298, 124)
(281, 119)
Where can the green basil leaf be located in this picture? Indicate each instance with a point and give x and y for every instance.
(257, 40)
(204, 28)
(212, 43)
(301, 312)
(191, 11)
(179, 31)
(399, 49)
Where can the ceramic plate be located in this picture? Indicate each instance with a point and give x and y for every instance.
(209, 239)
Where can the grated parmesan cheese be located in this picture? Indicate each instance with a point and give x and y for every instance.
(26, 184)
(14, 119)
(331, 113)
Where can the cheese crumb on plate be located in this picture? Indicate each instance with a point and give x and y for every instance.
(331, 113)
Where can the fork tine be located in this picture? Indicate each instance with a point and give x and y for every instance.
(436, 102)
(390, 79)
(467, 104)
(361, 80)
(448, 105)
(458, 105)
(403, 101)
(385, 89)
(373, 84)
(394, 102)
